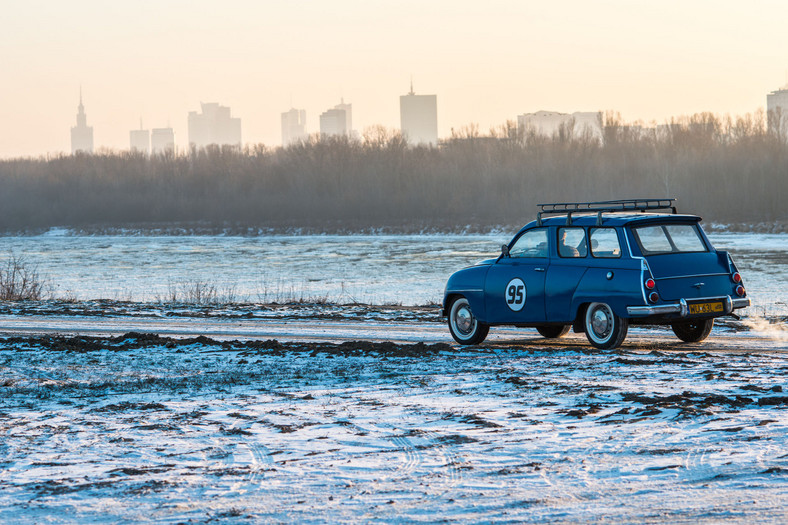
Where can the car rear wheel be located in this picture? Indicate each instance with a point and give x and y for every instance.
(693, 331)
(604, 329)
(553, 331)
(463, 325)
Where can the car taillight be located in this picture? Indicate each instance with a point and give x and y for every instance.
(653, 297)
(650, 284)
(736, 277)
(740, 291)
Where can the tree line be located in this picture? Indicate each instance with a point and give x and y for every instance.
(727, 169)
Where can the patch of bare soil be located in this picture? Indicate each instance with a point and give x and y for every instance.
(135, 341)
(280, 311)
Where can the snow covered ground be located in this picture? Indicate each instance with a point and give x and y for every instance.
(141, 428)
(324, 413)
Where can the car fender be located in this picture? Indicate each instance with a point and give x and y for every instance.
(618, 287)
(469, 283)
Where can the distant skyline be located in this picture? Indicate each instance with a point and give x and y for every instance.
(487, 62)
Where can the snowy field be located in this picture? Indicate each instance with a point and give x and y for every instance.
(345, 413)
(140, 428)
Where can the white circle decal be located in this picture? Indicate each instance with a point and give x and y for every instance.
(515, 295)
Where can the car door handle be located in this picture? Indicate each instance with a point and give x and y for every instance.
(539, 269)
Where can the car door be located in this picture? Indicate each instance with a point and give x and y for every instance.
(514, 287)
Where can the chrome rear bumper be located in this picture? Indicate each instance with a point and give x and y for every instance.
(682, 309)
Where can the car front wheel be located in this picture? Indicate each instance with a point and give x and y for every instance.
(693, 331)
(463, 325)
(604, 329)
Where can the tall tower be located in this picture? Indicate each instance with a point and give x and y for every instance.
(214, 126)
(139, 140)
(419, 118)
(337, 120)
(293, 126)
(81, 134)
(777, 111)
(162, 141)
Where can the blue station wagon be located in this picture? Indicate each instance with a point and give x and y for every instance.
(598, 267)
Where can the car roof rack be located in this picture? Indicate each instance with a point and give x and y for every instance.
(625, 205)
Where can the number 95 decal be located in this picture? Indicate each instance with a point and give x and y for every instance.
(515, 295)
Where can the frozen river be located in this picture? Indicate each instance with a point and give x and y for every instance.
(375, 269)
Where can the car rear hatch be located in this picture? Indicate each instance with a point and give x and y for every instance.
(690, 275)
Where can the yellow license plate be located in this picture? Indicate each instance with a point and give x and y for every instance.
(705, 308)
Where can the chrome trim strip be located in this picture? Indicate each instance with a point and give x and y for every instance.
(629, 248)
(716, 298)
(690, 276)
(643, 267)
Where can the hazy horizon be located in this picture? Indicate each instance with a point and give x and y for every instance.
(487, 63)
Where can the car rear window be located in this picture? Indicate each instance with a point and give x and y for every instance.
(669, 238)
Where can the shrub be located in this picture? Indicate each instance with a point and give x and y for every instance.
(20, 282)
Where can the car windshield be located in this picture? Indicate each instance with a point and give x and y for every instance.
(669, 238)
(532, 243)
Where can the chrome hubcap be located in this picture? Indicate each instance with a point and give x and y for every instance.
(463, 320)
(601, 322)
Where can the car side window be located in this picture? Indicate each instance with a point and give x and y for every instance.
(604, 243)
(532, 243)
(572, 242)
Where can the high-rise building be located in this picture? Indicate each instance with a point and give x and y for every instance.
(337, 120)
(162, 140)
(81, 134)
(348, 109)
(548, 123)
(139, 140)
(214, 126)
(418, 116)
(777, 111)
(293, 126)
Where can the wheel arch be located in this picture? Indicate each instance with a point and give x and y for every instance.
(475, 300)
(618, 285)
(448, 300)
(578, 325)
(617, 301)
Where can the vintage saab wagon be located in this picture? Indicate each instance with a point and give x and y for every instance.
(598, 268)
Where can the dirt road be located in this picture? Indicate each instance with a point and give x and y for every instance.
(305, 328)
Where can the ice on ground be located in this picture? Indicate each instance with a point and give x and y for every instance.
(373, 269)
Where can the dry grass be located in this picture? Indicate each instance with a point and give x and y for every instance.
(198, 292)
(20, 282)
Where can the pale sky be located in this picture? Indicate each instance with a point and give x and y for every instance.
(486, 60)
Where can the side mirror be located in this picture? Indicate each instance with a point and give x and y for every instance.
(505, 250)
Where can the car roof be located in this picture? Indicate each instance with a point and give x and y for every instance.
(614, 219)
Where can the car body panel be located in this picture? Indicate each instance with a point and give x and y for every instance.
(525, 305)
(616, 291)
(556, 288)
(468, 283)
